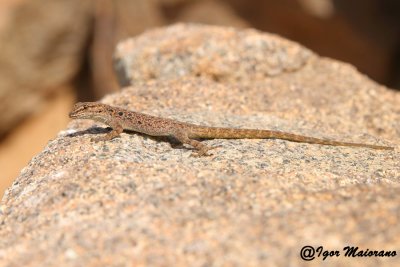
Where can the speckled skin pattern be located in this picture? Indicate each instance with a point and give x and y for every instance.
(121, 119)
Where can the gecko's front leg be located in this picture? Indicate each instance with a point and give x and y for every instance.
(115, 132)
(200, 147)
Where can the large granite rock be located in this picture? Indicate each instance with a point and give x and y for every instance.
(138, 201)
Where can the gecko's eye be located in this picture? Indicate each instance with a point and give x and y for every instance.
(120, 113)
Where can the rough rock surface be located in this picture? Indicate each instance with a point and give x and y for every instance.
(138, 201)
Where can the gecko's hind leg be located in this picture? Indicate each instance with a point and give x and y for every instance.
(201, 148)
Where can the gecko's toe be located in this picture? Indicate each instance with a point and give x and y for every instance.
(203, 152)
(97, 139)
(200, 154)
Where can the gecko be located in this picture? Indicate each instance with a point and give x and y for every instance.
(120, 119)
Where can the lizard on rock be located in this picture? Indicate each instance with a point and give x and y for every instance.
(121, 119)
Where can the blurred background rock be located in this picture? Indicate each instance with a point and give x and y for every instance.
(56, 52)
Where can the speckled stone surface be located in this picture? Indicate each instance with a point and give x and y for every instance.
(140, 201)
(220, 53)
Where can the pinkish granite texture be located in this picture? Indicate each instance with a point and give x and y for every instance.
(138, 201)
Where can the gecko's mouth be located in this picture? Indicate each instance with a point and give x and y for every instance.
(75, 115)
(72, 115)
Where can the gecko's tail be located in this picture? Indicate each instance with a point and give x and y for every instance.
(313, 140)
(232, 133)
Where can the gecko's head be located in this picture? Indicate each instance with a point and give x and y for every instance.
(88, 110)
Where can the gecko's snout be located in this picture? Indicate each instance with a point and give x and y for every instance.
(84, 110)
(74, 114)
(71, 115)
